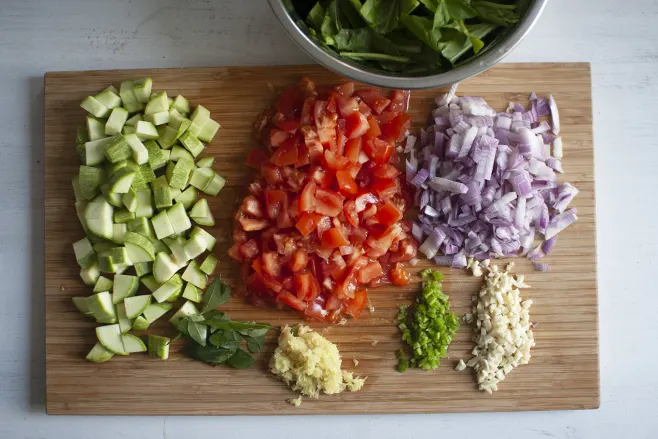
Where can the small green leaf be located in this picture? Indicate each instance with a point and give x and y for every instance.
(214, 314)
(209, 354)
(225, 339)
(197, 331)
(315, 16)
(254, 344)
(240, 360)
(216, 295)
(178, 337)
(236, 326)
(254, 332)
(381, 15)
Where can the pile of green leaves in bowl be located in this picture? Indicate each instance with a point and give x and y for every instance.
(409, 36)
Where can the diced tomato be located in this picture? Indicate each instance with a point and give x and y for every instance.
(386, 171)
(388, 214)
(364, 109)
(341, 140)
(407, 250)
(290, 102)
(271, 264)
(319, 108)
(321, 177)
(239, 236)
(307, 223)
(307, 86)
(371, 271)
(346, 184)
(363, 200)
(333, 238)
(307, 197)
(345, 89)
(324, 224)
(347, 287)
(399, 276)
(397, 127)
(252, 206)
(369, 212)
(374, 99)
(354, 307)
(256, 158)
(373, 128)
(347, 106)
(292, 301)
(384, 240)
(334, 162)
(234, 252)
(299, 261)
(355, 169)
(286, 154)
(256, 265)
(378, 150)
(356, 125)
(256, 188)
(327, 202)
(353, 149)
(385, 187)
(352, 216)
(399, 101)
(249, 249)
(272, 173)
(277, 137)
(288, 125)
(251, 225)
(303, 285)
(303, 157)
(306, 117)
(274, 202)
(332, 105)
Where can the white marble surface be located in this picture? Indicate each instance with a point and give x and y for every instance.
(620, 40)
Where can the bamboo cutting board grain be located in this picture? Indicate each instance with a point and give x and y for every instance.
(563, 373)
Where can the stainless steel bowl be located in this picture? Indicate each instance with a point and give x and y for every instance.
(490, 55)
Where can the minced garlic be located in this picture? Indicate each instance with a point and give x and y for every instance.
(310, 364)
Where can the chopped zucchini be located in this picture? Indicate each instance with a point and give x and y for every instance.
(103, 284)
(146, 130)
(124, 286)
(194, 275)
(208, 131)
(205, 162)
(110, 337)
(170, 290)
(158, 346)
(84, 253)
(163, 267)
(192, 293)
(201, 213)
(178, 218)
(93, 106)
(208, 265)
(136, 305)
(155, 311)
(132, 343)
(188, 309)
(95, 129)
(116, 121)
(187, 197)
(98, 354)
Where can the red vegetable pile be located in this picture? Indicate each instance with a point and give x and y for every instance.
(324, 217)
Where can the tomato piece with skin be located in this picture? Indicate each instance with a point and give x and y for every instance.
(252, 224)
(303, 157)
(277, 137)
(307, 197)
(328, 203)
(354, 307)
(333, 238)
(306, 117)
(324, 224)
(347, 106)
(378, 150)
(288, 125)
(364, 109)
(252, 206)
(286, 154)
(341, 140)
(363, 200)
(396, 128)
(249, 249)
(272, 173)
(271, 264)
(373, 128)
(303, 286)
(307, 86)
(274, 202)
(388, 214)
(299, 261)
(346, 89)
(385, 187)
(370, 272)
(407, 250)
(346, 184)
(292, 301)
(290, 102)
(399, 100)
(307, 223)
(239, 236)
(256, 158)
(234, 252)
(348, 286)
(354, 170)
(386, 171)
(351, 215)
(353, 149)
(356, 125)
(321, 177)
(399, 276)
(374, 99)
(335, 162)
(385, 239)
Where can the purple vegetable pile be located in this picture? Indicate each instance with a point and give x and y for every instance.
(486, 182)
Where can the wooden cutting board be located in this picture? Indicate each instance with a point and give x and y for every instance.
(563, 373)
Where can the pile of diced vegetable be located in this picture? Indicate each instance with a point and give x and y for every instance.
(136, 198)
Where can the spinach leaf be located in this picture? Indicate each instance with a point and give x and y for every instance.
(350, 10)
(475, 41)
(432, 5)
(209, 354)
(355, 40)
(375, 57)
(423, 29)
(254, 344)
(225, 339)
(457, 43)
(458, 9)
(216, 295)
(197, 331)
(381, 15)
(408, 6)
(328, 28)
(315, 16)
(235, 326)
(240, 360)
(496, 13)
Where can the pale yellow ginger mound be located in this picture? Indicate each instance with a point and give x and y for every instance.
(310, 364)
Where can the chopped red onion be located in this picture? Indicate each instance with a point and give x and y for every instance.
(540, 266)
(487, 181)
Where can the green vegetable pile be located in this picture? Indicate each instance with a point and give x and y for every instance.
(217, 339)
(409, 36)
(430, 326)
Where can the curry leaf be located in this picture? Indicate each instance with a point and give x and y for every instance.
(209, 354)
(197, 331)
(225, 339)
(253, 332)
(216, 295)
(235, 326)
(240, 360)
(254, 344)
